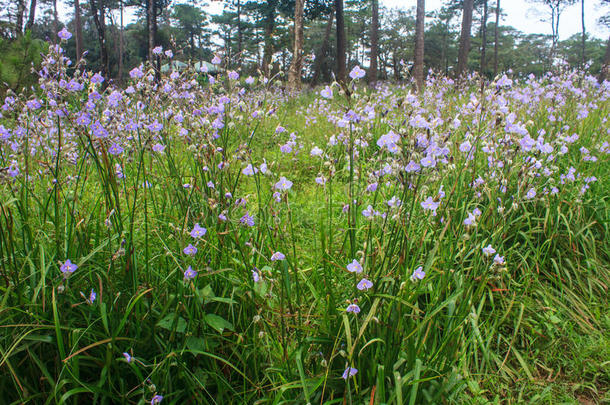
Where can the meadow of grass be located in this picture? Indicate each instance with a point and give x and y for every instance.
(172, 242)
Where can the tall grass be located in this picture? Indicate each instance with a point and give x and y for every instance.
(477, 216)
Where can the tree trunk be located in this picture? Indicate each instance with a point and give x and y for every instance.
(319, 62)
(32, 15)
(100, 25)
(341, 42)
(294, 75)
(150, 14)
(239, 35)
(374, 41)
(484, 40)
(121, 43)
(584, 34)
(496, 37)
(20, 13)
(418, 67)
(269, 28)
(605, 72)
(55, 22)
(465, 37)
(79, 30)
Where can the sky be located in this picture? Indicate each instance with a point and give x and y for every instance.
(520, 14)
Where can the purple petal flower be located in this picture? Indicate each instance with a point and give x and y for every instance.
(64, 34)
(418, 274)
(357, 73)
(189, 274)
(349, 372)
(198, 231)
(68, 267)
(489, 250)
(364, 284)
(156, 399)
(190, 250)
(354, 267)
(277, 256)
(283, 184)
(353, 308)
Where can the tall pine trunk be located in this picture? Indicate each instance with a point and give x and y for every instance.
(484, 40)
(19, 20)
(584, 34)
(79, 30)
(121, 42)
(31, 16)
(321, 56)
(374, 41)
(496, 37)
(55, 22)
(418, 67)
(465, 37)
(341, 42)
(294, 75)
(239, 35)
(100, 24)
(269, 29)
(150, 17)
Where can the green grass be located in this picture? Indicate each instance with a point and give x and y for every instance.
(533, 331)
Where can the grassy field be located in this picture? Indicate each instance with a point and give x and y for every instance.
(173, 242)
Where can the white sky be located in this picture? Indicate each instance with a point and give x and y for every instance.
(520, 14)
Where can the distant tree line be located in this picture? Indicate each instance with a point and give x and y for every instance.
(310, 40)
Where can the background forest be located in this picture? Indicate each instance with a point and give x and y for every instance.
(254, 34)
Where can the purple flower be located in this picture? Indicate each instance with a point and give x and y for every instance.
(128, 358)
(283, 184)
(357, 73)
(247, 220)
(364, 285)
(157, 50)
(277, 256)
(430, 204)
(92, 296)
(531, 193)
(64, 34)
(216, 60)
(418, 274)
(97, 78)
(315, 151)
(489, 250)
(499, 260)
(68, 268)
(233, 75)
(114, 98)
(354, 267)
(169, 53)
(158, 148)
(156, 399)
(115, 149)
(428, 161)
(190, 250)
(353, 308)
(256, 277)
(249, 170)
(189, 274)
(327, 92)
(136, 73)
(349, 372)
(198, 231)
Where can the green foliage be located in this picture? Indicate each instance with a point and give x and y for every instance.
(19, 57)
